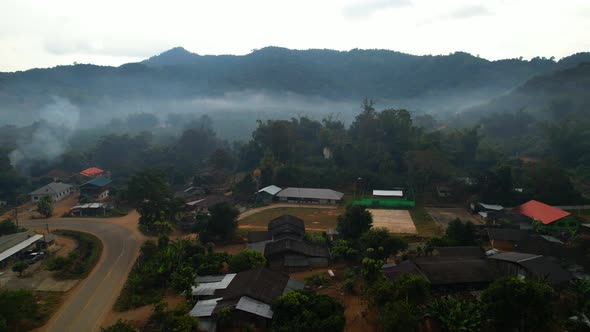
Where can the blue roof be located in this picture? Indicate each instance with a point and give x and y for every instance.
(98, 182)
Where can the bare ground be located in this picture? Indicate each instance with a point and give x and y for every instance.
(139, 316)
(395, 221)
(445, 215)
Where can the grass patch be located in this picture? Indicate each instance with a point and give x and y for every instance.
(48, 303)
(425, 225)
(24, 310)
(314, 218)
(584, 214)
(80, 261)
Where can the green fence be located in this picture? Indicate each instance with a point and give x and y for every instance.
(385, 203)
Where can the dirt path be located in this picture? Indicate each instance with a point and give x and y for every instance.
(285, 205)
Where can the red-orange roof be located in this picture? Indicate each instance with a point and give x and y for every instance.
(542, 212)
(92, 171)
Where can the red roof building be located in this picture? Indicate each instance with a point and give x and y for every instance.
(92, 172)
(544, 213)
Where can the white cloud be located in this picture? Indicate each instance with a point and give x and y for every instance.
(48, 33)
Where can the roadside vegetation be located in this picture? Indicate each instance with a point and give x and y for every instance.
(167, 265)
(80, 261)
(24, 310)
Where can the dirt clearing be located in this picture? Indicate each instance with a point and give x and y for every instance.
(314, 218)
(395, 221)
(443, 216)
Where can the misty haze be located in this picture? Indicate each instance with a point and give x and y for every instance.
(375, 165)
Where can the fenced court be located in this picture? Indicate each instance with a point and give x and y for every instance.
(395, 221)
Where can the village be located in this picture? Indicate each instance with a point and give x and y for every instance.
(279, 241)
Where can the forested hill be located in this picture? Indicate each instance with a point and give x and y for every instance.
(546, 96)
(450, 80)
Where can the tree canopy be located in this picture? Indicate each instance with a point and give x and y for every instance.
(307, 311)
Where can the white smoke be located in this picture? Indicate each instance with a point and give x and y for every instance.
(49, 140)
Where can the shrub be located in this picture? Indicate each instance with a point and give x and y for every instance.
(316, 280)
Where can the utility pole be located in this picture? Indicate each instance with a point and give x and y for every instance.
(16, 216)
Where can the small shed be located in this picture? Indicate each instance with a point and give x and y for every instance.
(267, 194)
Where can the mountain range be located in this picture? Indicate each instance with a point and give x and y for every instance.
(429, 83)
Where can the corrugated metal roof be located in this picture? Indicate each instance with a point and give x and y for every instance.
(206, 279)
(254, 307)
(88, 206)
(388, 193)
(312, 193)
(20, 246)
(493, 207)
(98, 182)
(209, 288)
(272, 189)
(551, 239)
(204, 308)
(516, 257)
(293, 285)
(52, 188)
(540, 211)
(92, 171)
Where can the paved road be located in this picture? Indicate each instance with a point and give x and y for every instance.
(86, 307)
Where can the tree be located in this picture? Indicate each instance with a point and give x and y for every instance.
(341, 249)
(20, 267)
(246, 260)
(399, 316)
(223, 222)
(8, 227)
(149, 192)
(383, 243)
(456, 315)
(407, 288)
(518, 303)
(174, 320)
(307, 311)
(120, 326)
(16, 306)
(183, 279)
(355, 221)
(45, 206)
(461, 234)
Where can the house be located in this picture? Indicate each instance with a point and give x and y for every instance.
(505, 239)
(284, 246)
(392, 198)
(309, 195)
(204, 204)
(95, 189)
(13, 244)
(249, 295)
(56, 190)
(92, 172)
(267, 194)
(455, 268)
(189, 193)
(547, 217)
(532, 266)
(508, 217)
(484, 209)
(293, 255)
(89, 209)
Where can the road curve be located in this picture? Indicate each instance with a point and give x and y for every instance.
(86, 307)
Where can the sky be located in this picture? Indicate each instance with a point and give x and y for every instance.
(42, 33)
